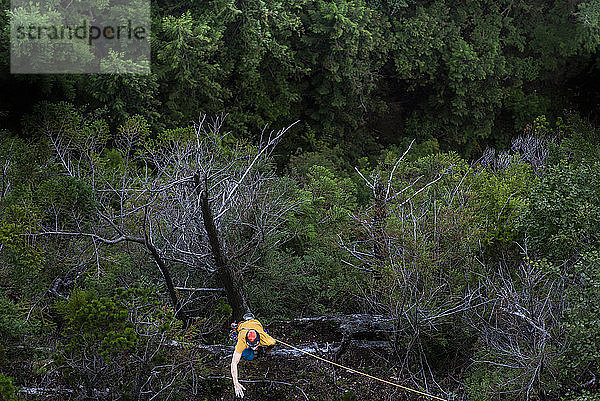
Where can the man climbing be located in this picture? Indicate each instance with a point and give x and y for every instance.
(250, 336)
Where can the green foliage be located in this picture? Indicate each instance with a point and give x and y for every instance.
(502, 196)
(330, 158)
(11, 326)
(115, 340)
(185, 52)
(562, 218)
(523, 106)
(114, 331)
(59, 198)
(485, 384)
(96, 324)
(458, 72)
(115, 97)
(417, 151)
(581, 321)
(33, 196)
(21, 258)
(442, 240)
(588, 16)
(583, 396)
(473, 64)
(350, 43)
(15, 224)
(290, 286)
(468, 67)
(581, 141)
(19, 160)
(223, 310)
(49, 52)
(348, 396)
(63, 121)
(327, 202)
(308, 267)
(8, 392)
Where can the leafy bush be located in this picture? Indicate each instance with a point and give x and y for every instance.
(11, 326)
(115, 342)
(326, 202)
(562, 218)
(8, 391)
(581, 361)
(581, 139)
(96, 323)
(501, 198)
(584, 396)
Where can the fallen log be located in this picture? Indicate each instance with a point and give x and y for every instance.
(339, 327)
(43, 391)
(192, 289)
(321, 335)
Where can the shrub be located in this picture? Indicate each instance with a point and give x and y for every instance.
(562, 218)
(8, 391)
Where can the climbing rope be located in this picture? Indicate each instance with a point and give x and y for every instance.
(361, 373)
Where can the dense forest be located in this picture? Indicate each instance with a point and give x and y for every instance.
(433, 165)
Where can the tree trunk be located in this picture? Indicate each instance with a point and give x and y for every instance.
(179, 312)
(229, 279)
(164, 270)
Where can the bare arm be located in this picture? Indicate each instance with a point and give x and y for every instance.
(239, 389)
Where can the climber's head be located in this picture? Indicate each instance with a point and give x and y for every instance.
(252, 338)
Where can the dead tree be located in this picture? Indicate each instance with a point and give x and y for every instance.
(405, 221)
(220, 206)
(152, 195)
(518, 320)
(229, 279)
(125, 204)
(530, 148)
